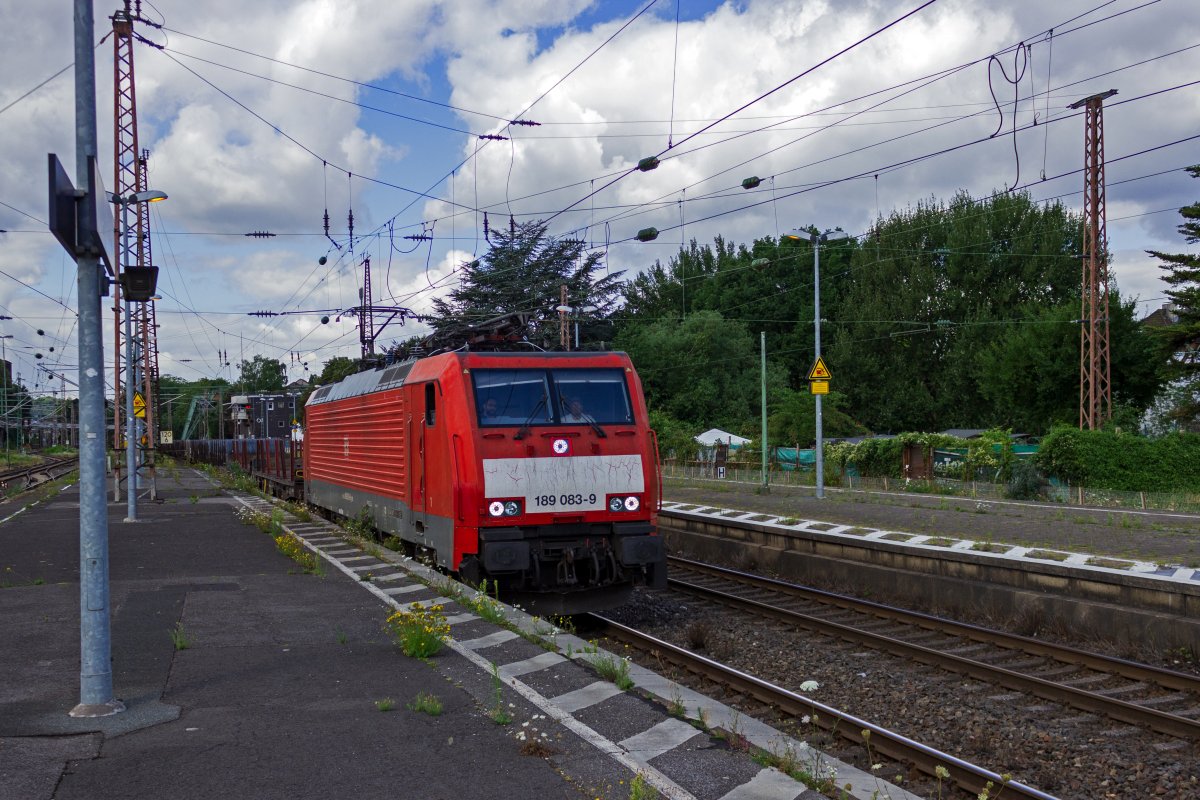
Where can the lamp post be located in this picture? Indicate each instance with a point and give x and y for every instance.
(131, 467)
(4, 397)
(817, 239)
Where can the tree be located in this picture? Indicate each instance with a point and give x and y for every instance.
(262, 374)
(702, 371)
(1182, 338)
(337, 368)
(1028, 371)
(524, 271)
(931, 288)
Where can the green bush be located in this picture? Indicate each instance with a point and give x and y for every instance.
(1122, 461)
(1026, 482)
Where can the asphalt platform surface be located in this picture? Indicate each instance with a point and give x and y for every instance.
(276, 696)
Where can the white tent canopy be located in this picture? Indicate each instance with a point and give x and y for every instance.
(714, 435)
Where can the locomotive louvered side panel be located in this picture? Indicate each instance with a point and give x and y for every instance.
(360, 443)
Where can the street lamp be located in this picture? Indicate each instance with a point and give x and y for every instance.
(131, 295)
(7, 383)
(817, 239)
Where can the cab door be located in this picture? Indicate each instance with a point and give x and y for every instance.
(416, 452)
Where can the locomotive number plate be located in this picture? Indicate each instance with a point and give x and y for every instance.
(579, 483)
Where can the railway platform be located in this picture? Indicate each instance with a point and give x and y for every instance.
(244, 677)
(1131, 577)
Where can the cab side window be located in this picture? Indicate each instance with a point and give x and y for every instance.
(430, 404)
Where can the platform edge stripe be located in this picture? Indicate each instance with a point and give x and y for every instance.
(769, 784)
(491, 640)
(586, 697)
(664, 785)
(661, 738)
(535, 664)
(412, 587)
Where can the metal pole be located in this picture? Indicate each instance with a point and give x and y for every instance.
(95, 662)
(762, 338)
(131, 467)
(4, 397)
(820, 449)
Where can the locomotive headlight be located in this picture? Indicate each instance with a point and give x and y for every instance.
(496, 508)
(615, 504)
(512, 508)
(632, 503)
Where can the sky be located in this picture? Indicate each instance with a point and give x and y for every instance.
(263, 117)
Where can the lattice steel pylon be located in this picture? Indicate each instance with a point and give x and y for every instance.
(131, 233)
(1095, 363)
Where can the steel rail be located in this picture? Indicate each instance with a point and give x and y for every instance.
(1133, 670)
(964, 774)
(51, 470)
(1121, 710)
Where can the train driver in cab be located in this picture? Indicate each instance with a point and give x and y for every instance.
(575, 412)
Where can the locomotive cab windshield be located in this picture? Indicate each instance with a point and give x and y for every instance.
(507, 397)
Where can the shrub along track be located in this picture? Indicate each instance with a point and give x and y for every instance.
(1043, 729)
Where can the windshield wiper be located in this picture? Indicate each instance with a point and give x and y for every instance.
(523, 431)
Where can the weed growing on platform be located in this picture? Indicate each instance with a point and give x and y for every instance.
(497, 714)
(179, 637)
(426, 704)
(676, 707)
(640, 789)
(13, 578)
(485, 606)
(419, 632)
(363, 525)
(803, 764)
(290, 545)
(386, 704)
(298, 511)
(393, 543)
(615, 669)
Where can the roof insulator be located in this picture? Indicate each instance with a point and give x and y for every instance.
(648, 163)
(647, 234)
(759, 263)
(752, 182)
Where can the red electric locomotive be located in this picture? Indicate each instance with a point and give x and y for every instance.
(536, 470)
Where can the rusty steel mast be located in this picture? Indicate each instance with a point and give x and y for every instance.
(131, 231)
(1095, 361)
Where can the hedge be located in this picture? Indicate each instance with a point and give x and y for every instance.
(1122, 461)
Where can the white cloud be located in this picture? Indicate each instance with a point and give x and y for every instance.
(228, 172)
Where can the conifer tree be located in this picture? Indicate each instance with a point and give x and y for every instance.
(1183, 337)
(523, 272)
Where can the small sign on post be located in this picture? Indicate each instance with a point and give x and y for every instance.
(818, 377)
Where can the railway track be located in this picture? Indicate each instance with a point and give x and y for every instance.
(1158, 699)
(28, 477)
(968, 777)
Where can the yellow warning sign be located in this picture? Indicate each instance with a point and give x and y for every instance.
(139, 405)
(819, 371)
(819, 387)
